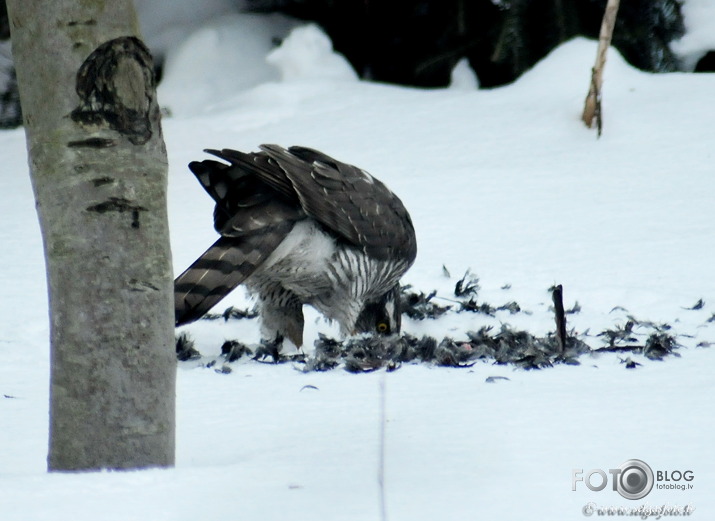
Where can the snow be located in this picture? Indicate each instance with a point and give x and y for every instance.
(506, 182)
(699, 38)
(463, 76)
(232, 48)
(307, 54)
(164, 28)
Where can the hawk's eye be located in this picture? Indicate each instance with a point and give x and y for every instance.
(382, 327)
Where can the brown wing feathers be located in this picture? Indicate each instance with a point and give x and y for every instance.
(225, 265)
(253, 218)
(349, 202)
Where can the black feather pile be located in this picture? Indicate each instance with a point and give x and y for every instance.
(185, 348)
(505, 346)
(659, 343)
(232, 350)
(419, 306)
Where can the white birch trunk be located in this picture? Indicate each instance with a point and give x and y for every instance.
(99, 172)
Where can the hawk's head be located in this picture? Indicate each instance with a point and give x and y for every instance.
(382, 315)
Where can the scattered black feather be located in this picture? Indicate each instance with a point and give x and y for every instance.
(698, 305)
(419, 306)
(236, 313)
(711, 319)
(630, 364)
(649, 324)
(467, 285)
(232, 313)
(473, 306)
(494, 379)
(232, 350)
(615, 337)
(576, 308)
(185, 348)
(512, 307)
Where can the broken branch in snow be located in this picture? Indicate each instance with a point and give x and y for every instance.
(557, 294)
(592, 108)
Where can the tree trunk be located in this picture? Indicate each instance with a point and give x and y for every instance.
(99, 173)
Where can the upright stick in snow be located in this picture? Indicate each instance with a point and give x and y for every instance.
(560, 315)
(592, 108)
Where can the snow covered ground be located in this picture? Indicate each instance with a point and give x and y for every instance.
(699, 38)
(505, 182)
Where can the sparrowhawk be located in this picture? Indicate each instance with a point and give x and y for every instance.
(299, 227)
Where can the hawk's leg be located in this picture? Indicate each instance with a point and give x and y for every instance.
(281, 316)
(270, 348)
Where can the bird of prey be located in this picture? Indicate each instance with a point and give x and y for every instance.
(299, 227)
